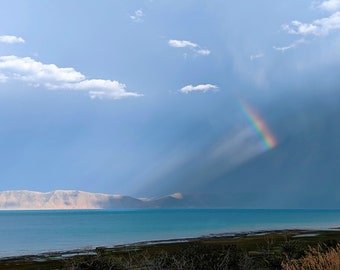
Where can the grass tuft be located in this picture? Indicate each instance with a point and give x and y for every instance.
(316, 259)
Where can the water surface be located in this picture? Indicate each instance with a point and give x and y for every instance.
(33, 232)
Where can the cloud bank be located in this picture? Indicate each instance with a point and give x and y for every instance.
(188, 44)
(11, 39)
(38, 74)
(330, 5)
(201, 87)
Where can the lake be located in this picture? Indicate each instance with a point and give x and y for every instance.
(33, 232)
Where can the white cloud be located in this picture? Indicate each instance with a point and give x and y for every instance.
(137, 16)
(200, 87)
(256, 56)
(27, 69)
(188, 44)
(101, 89)
(177, 195)
(330, 5)
(51, 76)
(11, 39)
(3, 78)
(182, 43)
(284, 48)
(291, 46)
(320, 27)
(203, 52)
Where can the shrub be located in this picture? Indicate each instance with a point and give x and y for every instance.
(316, 259)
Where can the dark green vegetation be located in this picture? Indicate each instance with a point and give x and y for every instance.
(244, 251)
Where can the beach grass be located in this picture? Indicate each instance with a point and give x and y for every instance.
(321, 257)
(285, 249)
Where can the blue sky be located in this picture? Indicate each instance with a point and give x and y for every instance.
(143, 97)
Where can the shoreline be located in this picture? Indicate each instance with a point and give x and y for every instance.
(61, 254)
(268, 247)
(101, 229)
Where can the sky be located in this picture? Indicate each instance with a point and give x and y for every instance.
(238, 100)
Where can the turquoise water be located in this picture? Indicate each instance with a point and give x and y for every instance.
(33, 232)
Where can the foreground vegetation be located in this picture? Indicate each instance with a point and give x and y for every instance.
(288, 250)
(324, 258)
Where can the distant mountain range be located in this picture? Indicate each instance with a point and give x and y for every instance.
(73, 199)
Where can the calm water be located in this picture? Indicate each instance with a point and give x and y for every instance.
(32, 232)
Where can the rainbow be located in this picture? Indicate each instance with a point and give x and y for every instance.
(259, 125)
